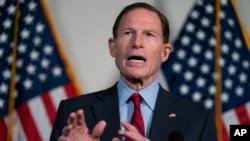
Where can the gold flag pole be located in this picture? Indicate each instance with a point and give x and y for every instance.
(218, 81)
(11, 107)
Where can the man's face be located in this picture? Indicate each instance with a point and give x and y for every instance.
(139, 49)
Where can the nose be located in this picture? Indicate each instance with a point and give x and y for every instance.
(138, 41)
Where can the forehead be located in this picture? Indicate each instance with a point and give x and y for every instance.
(142, 15)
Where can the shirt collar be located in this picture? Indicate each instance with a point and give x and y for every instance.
(149, 94)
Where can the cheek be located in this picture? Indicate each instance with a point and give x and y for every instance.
(123, 43)
(120, 56)
(156, 58)
(121, 48)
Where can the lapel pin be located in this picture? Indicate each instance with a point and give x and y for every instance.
(172, 115)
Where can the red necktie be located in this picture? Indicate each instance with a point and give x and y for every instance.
(137, 119)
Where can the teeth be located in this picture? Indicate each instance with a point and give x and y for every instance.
(134, 60)
(137, 59)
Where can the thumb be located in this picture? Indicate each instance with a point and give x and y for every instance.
(98, 129)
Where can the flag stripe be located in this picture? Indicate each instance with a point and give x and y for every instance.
(38, 112)
(28, 123)
(248, 109)
(3, 133)
(49, 106)
(241, 111)
(226, 134)
(57, 94)
(230, 117)
(19, 134)
(70, 91)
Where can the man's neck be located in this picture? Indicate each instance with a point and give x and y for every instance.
(138, 84)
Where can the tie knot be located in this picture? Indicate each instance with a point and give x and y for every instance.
(136, 98)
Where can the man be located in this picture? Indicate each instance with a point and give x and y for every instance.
(139, 46)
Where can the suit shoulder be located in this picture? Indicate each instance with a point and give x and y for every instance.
(185, 104)
(92, 97)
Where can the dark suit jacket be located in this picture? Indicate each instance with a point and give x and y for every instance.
(192, 121)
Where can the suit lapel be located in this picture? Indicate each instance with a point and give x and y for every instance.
(162, 124)
(108, 110)
(164, 117)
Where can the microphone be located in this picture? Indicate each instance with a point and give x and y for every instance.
(176, 136)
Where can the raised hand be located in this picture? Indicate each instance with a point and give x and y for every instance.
(77, 130)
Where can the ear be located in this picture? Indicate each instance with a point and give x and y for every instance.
(112, 48)
(167, 48)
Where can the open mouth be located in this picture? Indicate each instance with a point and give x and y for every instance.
(137, 59)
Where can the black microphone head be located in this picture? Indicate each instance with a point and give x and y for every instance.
(176, 136)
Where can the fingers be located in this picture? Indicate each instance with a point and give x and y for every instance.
(66, 130)
(129, 127)
(72, 119)
(131, 132)
(116, 139)
(62, 138)
(98, 129)
(80, 117)
(76, 118)
(77, 128)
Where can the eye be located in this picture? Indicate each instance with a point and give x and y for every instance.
(149, 34)
(127, 32)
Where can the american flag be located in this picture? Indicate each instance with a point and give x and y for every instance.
(43, 75)
(190, 70)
